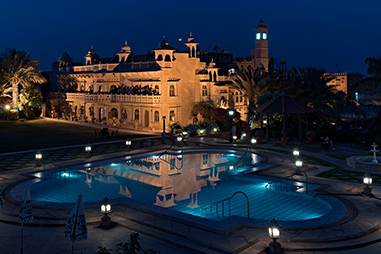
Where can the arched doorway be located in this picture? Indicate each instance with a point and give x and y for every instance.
(146, 118)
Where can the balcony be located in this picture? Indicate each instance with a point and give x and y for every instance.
(113, 98)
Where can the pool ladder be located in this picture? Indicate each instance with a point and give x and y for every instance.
(284, 182)
(173, 155)
(203, 209)
(241, 162)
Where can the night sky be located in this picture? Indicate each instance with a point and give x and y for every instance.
(320, 33)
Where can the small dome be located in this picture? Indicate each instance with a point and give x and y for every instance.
(92, 51)
(126, 48)
(216, 48)
(163, 43)
(191, 39)
(65, 57)
(224, 50)
(261, 23)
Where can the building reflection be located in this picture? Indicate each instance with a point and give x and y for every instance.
(165, 177)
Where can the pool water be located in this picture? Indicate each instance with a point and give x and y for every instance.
(183, 182)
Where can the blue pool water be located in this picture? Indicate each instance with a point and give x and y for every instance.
(184, 183)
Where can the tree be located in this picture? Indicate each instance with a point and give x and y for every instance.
(19, 69)
(252, 83)
(30, 101)
(372, 83)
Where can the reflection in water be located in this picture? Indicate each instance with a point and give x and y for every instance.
(164, 176)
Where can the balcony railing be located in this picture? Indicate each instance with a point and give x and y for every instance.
(117, 98)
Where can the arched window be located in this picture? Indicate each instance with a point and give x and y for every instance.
(136, 114)
(210, 76)
(236, 97)
(114, 113)
(172, 116)
(82, 89)
(159, 58)
(215, 77)
(124, 114)
(91, 89)
(157, 90)
(157, 116)
(172, 90)
(82, 110)
(167, 58)
(204, 91)
(113, 89)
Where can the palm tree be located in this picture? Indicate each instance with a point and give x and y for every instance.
(19, 69)
(253, 84)
(371, 83)
(5, 89)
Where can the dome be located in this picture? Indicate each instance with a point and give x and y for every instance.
(164, 45)
(191, 39)
(126, 48)
(261, 23)
(91, 51)
(216, 48)
(65, 57)
(224, 50)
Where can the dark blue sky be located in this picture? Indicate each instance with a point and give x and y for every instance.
(320, 33)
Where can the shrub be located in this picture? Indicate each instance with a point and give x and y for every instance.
(310, 134)
(191, 129)
(259, 133)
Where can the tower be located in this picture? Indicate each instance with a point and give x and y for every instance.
(191, 46)
(65, 62)
(261, 51)
(91, 57)
(124, 53)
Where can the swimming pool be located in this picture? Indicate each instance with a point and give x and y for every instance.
(183, 182)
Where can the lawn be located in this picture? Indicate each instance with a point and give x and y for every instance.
(40, 134)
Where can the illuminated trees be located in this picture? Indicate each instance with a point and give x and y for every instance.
(19, 69)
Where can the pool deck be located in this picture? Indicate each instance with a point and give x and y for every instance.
(358, 232)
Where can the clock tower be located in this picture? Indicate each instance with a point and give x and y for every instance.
(261, 51)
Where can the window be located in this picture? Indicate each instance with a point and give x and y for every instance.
(172, 116)
(167, 58)
(137, 114)
(159, 58)
(157, 90)
(157, 116)
(172, 90)
(204, 91)
(236, 97)
(114, 113)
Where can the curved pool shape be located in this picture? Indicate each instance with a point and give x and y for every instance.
(183, 182)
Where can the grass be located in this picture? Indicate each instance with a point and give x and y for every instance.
(40, 134)
(348, 175)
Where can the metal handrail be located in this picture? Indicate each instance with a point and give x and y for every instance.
(166, 152)
(223, 205)
(240, 159)
(292, 181)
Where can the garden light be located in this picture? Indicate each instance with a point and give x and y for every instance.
(128, 144)
(88, 150)
(106, 209)
(274, 233)
(367, 181)
(38, 156)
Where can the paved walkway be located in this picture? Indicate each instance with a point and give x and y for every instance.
(358, 232)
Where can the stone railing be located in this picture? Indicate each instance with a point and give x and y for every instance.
(114, 98)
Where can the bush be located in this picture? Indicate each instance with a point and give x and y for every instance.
(191, 129)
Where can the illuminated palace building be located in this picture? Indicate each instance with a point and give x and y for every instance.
(142, 89)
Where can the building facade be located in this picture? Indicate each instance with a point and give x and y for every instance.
(140, 90)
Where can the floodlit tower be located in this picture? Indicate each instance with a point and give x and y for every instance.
(261, 51)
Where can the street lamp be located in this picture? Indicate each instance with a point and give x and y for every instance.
(367, 181)
(274, 233)
(38, 156)
(106, 209)
(128, 144)
(296, 152)
(88, 150)
(231, 114)
(7, 107)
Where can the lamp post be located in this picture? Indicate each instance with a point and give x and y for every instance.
(7, 107)
(106, 209)
(231, 114)
(163, 134)
(88, 150)
(296, 152)
(253, 141)
(128, 144)
(274, 233)
(38, 157)
(367, 181)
